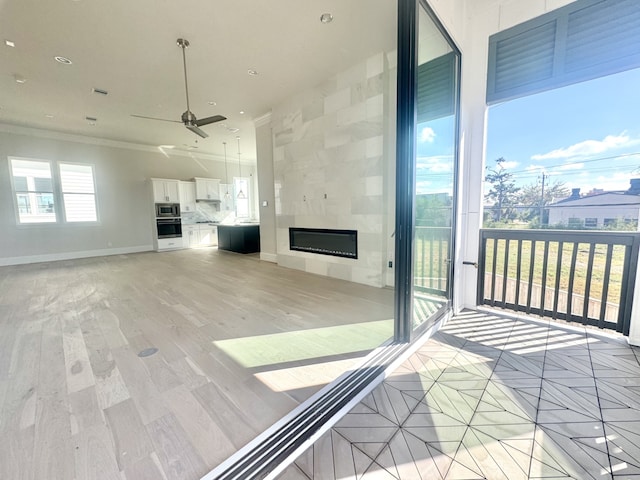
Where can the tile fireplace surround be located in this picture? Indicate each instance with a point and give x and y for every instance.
(330, 168)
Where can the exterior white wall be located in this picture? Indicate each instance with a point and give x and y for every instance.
(122, 192)
(470, 23)
(600, 207)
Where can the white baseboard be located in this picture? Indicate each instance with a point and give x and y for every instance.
(269, 257)
(52, 257)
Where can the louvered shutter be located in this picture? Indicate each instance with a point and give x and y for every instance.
(581, 41)
(436, 88)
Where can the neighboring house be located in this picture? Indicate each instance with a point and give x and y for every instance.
(597, 210)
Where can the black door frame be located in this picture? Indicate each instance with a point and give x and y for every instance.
(406, 124)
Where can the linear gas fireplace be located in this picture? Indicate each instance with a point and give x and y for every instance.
(339, 243)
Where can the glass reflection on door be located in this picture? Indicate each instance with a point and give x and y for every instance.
(436, 158)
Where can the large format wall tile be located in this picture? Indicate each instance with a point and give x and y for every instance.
(329, 169)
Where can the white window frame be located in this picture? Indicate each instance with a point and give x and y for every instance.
(240, 201)
(591, 222)
(59, 209)
(63, 193)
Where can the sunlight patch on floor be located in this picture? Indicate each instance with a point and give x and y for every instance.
(272, 349)
(316, 374)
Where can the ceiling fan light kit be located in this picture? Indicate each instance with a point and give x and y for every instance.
(188, 119)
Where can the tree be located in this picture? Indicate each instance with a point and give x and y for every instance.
(433, 210)
(503, 192)
(532, 196)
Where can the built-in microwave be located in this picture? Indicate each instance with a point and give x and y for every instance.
(167, 210)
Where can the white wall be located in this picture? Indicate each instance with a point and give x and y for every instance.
(470, 23)
(122, 190)
(264, 152)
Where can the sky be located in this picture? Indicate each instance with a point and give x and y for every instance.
(585, 136)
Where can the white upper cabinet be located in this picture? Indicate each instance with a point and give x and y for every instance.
(165, 190)
(207, 189)
(187, 197)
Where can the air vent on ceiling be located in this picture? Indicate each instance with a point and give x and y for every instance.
(100, 91)
(91, 119)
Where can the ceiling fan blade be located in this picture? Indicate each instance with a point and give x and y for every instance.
(196, 130)
(206, 121)
(155, 118)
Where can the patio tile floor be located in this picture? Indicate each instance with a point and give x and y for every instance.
(492, 397)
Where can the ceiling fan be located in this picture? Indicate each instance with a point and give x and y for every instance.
(188, 118)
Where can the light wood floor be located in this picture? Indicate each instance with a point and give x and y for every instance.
(240, 343)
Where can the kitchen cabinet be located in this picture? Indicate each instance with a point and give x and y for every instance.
(199, 235)
(239, 238)
(169, 243)
(207, 189)
(190, 236)
(165, 190)
(208, 235)
(187, 197)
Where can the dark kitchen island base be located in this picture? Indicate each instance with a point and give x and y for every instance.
(239, 238)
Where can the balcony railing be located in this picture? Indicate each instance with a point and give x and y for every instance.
(431, 259)
(578, 276)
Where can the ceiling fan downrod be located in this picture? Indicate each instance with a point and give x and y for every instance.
(183, 44)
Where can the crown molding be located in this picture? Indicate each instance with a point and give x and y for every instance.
(75, 138)
(262, 120)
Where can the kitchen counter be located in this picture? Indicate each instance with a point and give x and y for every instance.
(239, 237)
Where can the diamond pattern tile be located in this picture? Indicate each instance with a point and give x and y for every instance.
(490, 397)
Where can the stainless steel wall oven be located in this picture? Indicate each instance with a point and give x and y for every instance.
(169, 227)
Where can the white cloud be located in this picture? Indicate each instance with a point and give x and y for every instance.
(587, 182)
(571, 166)
(588, 147)
(435, 164)
(507, 164)
(427, 135)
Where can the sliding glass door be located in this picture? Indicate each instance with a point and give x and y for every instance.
(427, 167)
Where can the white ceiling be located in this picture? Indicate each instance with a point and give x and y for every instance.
(128, 47)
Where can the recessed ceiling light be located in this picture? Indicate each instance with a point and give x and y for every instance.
(252, 72)
(166, 146)
(19, 78)
(241, 112)
(9, 43)
(326, 18)
(48, 115)
(99, 91)
(212, 103)
(63, 60)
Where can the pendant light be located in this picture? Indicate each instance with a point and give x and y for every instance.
(226, 172)
(241, 194)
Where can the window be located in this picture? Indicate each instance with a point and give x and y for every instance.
(78, 192)
(33, 187)
(39, 189)
(591, 222)
(609, 221)
(241, 185)
(575, 222)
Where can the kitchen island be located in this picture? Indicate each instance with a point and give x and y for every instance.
(240, 238)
